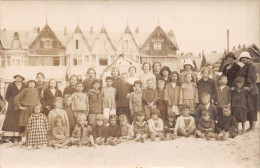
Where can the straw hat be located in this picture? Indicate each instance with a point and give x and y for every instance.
(188, 62)
(244, 54)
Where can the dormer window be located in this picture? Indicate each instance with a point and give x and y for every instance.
(77, 44)
(47, 43)
(157, 45)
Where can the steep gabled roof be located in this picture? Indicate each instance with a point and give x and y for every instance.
(78, 30)
(103, 30)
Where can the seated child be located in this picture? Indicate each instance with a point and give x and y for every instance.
(60, 134)
(68, 109)
(140, 128)
(81, 135)
(226, 125)
(156, 125)
(185, 124)
(169, 126)
(206, 126)
(113, 131)
(99, 130)
(127, 132)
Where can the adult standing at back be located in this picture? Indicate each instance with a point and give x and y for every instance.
(87, 83)
(248, 71)
(156, 70)
(132, 75)
(147, 74)
(231, 69)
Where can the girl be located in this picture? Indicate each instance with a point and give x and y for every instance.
(189, 93)
(212, 73)
(140, 128)
(135, 100)
(40, 84)
(165, 74)
(147, 74)
(72, 87)
(132, 75)
(11, 122)
(68, 109)
(25, 101)
(37, 129)
(57, 111)
(99, 130)
(95, 101)
(240, 103)
(60, 134)
(113, 131)
(188, 68)
(156, 70)
(156, 125)
(172, 92)
(87, 83)
(127, 132)
(115, 72)
(50, 93)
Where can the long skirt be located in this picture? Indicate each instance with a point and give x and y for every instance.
(252, 114)
(11, 122)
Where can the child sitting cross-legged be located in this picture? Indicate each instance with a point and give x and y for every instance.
(127, 132)
(185, 124)
(169, 126)
(99, 130)
(156, 125)
(140, 128)
(113, 131)
(81, 135)
(206, 126)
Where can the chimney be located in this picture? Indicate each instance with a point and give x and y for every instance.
(91, 30)
(227, 40)
(65, 31)
(244, 47)
(234, 49)
(170, 33)
(137, 29)
(239, 46)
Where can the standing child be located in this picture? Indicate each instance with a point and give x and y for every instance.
(95, 101)
(223, 94)
(113, 131)
(150, 96)
(189, 94)
(109, 99)
(49, 94)
(207, 85)
(156, 70)
(188, 68)
(127, 132)
(207, 106)
(147, 74)
(73, 80)
(212, 73)
(185, 124)
(79, 101)
(81, 135)
(156, 125)
(87, 83)
(25, 101)
(99, 130)
(161, 103)
(115, 72)
(68, 109)
(226, 125)
(172, 93)
(141, 128)
(165, 74)
(240, 103)
(135, 101)
(206, 126)
(37, 129)
(40, 84)
(60, 134)
(169, 126)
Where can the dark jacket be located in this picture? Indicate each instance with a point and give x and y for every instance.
(150, 95)
(203, 125)
(207, 87)
(95, 101)
(167, 127)
(231, 73)
(227, 124)
(48, 99)
(113, 131)
(87, 85)
(99, 131)
(69, 90)
(212, 110)
(121, 92)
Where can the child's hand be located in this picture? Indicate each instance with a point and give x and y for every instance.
(247, 88)
(23, 108)
(48, 107)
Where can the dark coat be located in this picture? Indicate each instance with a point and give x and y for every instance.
(87, 85)
(95, 101)
(231, 73)
(69, 90)
(113, 131)
(11, 122)
(207, 87)
(203, 125)
(121, 92)
(48, 99)
(227, 124)
(98, 131)
(212, 110)
(167, 126)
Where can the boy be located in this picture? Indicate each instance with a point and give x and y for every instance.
(223, 94)
(140, 128)
(113, 131)
(150, 96)
(185, 124)
(161, 103)
(206, 126)
(79, 101)
(207, 106)
(99, 130)
(135, 101)
(127, 132)
(169, 126)
(156, 125)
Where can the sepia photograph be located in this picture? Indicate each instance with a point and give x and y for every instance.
(129, 84)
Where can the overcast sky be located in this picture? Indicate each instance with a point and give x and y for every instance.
(198, 25)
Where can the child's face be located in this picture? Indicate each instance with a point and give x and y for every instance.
(109, 83)
(205, 74)
(174, 77)
(150, 84)
(40, 78)
(37, 109)
(165, 73)
(157, 67)
(31, 84)
(59, 123)
(223, 81)
(73, 81)
(123, 122)
(115, 72)
(226, 112)
(52, 84)
(154, 116)
(205, 100)
(124, 78)
(132, 72)
(81, 121)
(240, 84)
(171, 119)
(137, 87)
(79, 87)
(188, 78)
(140, 118)
(146, 67)
(91, 74)
(161, 85)
(58, 104)
(185, 112)
(96, 86)
(187, 67)
(67, 102)
(205, 117)
(112, 121)
(100, 122)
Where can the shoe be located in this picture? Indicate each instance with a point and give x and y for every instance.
(29, 147)
(142, 139)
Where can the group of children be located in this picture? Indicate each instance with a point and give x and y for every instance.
(161, 103)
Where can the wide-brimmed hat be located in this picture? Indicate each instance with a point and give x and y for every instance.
(244, 54)
(20, 76)
(165, 68)
(188, 62)
(230, 55)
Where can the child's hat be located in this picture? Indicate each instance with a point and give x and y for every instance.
(165, 68)
(244, 54)
(96, 81)
(188, 62)
(171, 114)
(230, 55)
(15, 76)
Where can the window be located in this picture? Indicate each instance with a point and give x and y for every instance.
(157, 45)
(77, 60)
(126, 44)
(47, 44)
(16, 61)
(103, 61)
(56, 61)
(86, 58)
(77, 44)
(94, 57)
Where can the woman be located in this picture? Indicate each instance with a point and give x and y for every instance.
(156, 70)
(11, 122)
(147, 74)
(248, 71)
(165, 74)
(132, 75)
(231, 69)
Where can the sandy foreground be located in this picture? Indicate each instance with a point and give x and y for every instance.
(240, 152)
